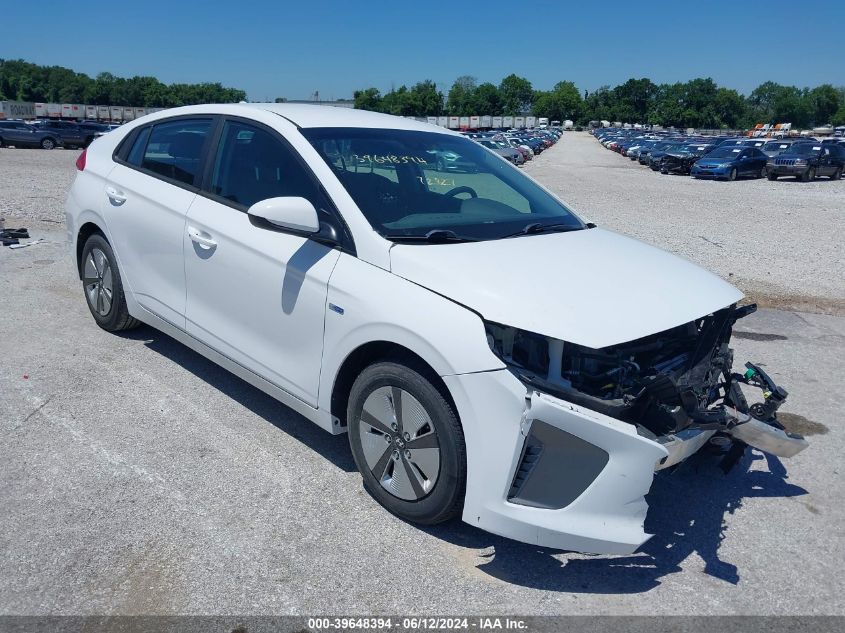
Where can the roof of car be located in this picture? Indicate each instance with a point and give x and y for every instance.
(307, 116)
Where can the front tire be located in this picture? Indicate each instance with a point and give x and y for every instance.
(407, 443)
(763, 172)
(48, 143)
(772, 176)
(103, 286)
(808, 175)
(732, 175)
(837, 174)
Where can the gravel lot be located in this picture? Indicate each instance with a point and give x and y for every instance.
(138, 477)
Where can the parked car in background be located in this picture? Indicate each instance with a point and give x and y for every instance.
(680, 161)
(502, 149)
(655, 157)
(72, 134)
(781, 146)
(645, 152)
(20, 134)
(806, 161)
(527, 152)
(94, 129)
(755, 142)
(739, 140)
(450, 161)
(730, 163)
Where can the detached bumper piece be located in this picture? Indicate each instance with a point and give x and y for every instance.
(757, 425)
(768, 438)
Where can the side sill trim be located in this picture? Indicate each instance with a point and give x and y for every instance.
(313, 414)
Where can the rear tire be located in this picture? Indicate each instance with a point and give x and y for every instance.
(103, 287)
(48, 143)
(394, 447)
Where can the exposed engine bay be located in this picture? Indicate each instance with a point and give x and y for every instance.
(664, 383)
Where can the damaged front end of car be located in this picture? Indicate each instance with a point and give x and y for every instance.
(676, 387)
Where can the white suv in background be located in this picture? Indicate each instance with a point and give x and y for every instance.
(489, 353)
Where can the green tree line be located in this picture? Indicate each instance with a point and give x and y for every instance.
(23, 81)
(698, 103)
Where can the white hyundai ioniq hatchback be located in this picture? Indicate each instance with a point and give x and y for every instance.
(489, 354)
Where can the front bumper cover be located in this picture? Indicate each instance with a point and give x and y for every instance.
(590, 476)
(605, 517)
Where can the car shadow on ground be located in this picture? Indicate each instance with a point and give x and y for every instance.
(334, 448)
(687, 512)
(687, 507)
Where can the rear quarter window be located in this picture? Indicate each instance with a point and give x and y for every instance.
(136, 153)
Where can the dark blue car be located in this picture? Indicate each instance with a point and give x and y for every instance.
(731, 162)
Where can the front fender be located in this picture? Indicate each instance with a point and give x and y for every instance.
(367, 304)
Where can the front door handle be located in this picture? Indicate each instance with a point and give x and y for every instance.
(116, 197)
(197, 236)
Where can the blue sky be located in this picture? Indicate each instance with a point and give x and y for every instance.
(273, 49)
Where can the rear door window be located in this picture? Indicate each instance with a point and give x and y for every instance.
(174, 149)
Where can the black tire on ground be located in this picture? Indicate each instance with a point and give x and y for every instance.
(836, 175)
(445, 499)
(1, 142)
(764, 172)
(808, 175)
(113, 316)
(772, 176)
(732, 175)
(48, 143)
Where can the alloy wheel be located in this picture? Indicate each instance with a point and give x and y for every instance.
(399, 443)
(98, 280)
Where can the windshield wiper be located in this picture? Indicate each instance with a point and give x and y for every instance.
(539, 227)
(435, 236)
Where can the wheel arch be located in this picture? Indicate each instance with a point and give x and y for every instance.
(85, 231)
(372, 352)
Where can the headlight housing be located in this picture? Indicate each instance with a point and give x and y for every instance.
(660, 382)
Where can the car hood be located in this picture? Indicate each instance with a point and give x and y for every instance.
(794, 156)
(715, 162)
(592, 287)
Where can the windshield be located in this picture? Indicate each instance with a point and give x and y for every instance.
(805, 149)
(775, 146)
(725, 152)
(409, 183)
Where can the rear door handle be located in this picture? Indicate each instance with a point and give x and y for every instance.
(197, 236)
(116, 197)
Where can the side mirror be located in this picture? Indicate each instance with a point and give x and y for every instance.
(294, 214)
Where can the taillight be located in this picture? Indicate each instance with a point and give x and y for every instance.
(80, 162)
